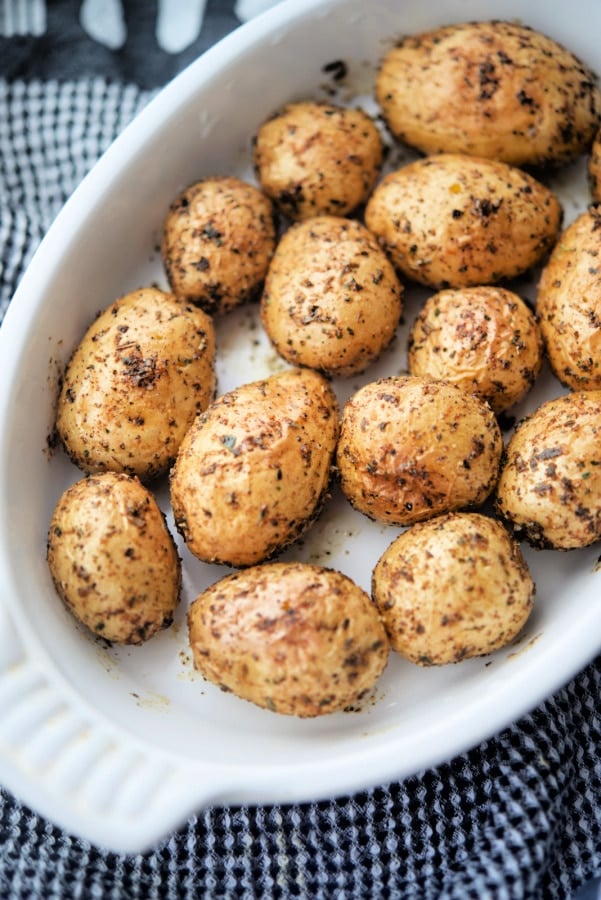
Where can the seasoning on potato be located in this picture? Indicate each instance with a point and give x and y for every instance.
(142, 372)
(483, 339)
(315, 158)
(294, 638)
(218, 238)
(452, 588)
(496, 89)
(460, 221)
(112, 558)
(332, 300)
(568, 303)
(254, 470)
(549, 490)
(413, 447)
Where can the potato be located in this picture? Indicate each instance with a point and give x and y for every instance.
(412, 447)
(332, 300)
(317, 158)
(499, 90)
(253, 471)
(112, 558)
(141, 373)
(218, 238)
(483, 339)
(294, 638)
(568, 303)
(549, 490)
(594, 167)
(459, 221)
(452, 588)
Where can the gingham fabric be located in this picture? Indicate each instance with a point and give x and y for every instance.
(517, 817)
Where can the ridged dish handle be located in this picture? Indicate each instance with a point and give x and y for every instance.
(11, 646)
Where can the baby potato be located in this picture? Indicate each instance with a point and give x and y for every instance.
(412, 447)
(568, 303)
(452, 588)
(496, 89)
(483, 339)
(294, 638)
(460, 221)
(315, 158)
(218, 238)
(254, 469)
(112, 558)
(332, 300)
(549, 490)
(133, 386)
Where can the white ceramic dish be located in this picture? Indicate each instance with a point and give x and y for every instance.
(120, 745)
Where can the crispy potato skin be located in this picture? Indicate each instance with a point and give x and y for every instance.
(294, 638)
(316, 158)
(332, 300)
(549, 489)
(452, 588)
(218, 238)
(499, 90)
(112, 558)
(254, 470)
(483, 339)
(142, 372)
(460, 221)
(412, 447)
(568, 303)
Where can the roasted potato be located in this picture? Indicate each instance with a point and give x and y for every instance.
(112, 558)
(549, 490)
(594, 168)
(253, 471)
(143, 370)
(483, 339)
(294, 638)
(459, 221)
(315, 158)
(332, 300)
(412, 447)
(452, 588)
(495, 89)
(218, 238)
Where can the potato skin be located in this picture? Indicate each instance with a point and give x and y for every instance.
(253, 471)
(112, 558)
(452, 588)
(459, 221)
(593, 168)
(295, 638)
(412, 447)
(143, 370)
(314, 158)
(568, 303)
(549, 489)
(483, 339)
(494, 89)
(332, 300)
(218, 238)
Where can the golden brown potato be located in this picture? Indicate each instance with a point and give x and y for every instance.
(495, 89)
(316, 158)
(568, 303)
(459, 221)
(332, 300)
(412, 447)
(483, 339)
(452, 588)
(253, 471)
(594, 168)
(294, 638)
(218, 238)
(112, 558)
(549, 490)
(143, 370)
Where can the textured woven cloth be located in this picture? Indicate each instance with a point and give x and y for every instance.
(517, 817)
